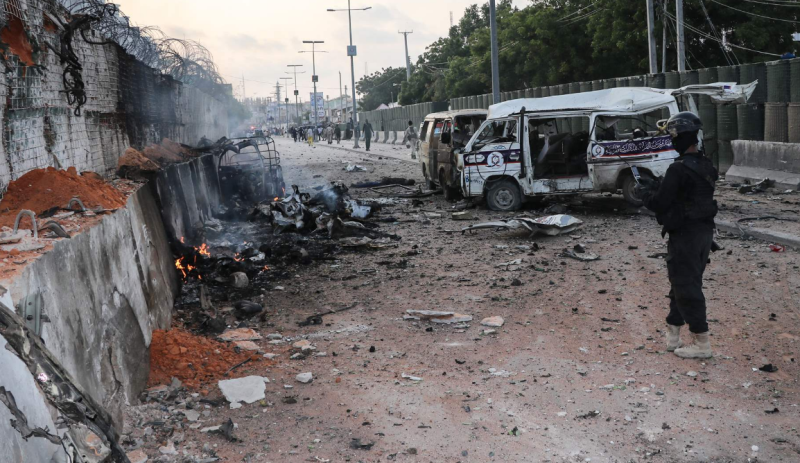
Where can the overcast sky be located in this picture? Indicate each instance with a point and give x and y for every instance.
(258, 38)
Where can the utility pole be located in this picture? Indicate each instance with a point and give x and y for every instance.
(341, 97)
(408, 59)
(244, 93)
(651, 36)
(286, 100)
(681, 43)
(296, 93)
(664, 37)
(314, 77)
(495, 53)
(352, 52)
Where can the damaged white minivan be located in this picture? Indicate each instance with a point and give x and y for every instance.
(578, 143)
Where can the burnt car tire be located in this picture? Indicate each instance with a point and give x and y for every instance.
(504, 195)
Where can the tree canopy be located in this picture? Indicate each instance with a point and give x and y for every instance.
(558, 41)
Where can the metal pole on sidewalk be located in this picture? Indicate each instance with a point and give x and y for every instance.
(495, 53)
(351, 52)
(651, 36)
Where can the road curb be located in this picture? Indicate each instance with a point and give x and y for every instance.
(772, 236)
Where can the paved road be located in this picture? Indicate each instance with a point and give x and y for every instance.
(578, 372)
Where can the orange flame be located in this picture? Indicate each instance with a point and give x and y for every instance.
(203, 250)
(276, 199)
(179, 266)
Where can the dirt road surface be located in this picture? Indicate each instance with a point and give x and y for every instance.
(578, 371)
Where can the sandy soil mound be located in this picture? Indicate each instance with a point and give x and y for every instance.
(42, 189)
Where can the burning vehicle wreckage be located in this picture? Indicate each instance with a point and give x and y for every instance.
(234, 267)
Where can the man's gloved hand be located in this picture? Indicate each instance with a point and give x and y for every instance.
(647, 186)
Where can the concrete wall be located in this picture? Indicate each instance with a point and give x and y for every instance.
(129, 104)
(757, 160)
(18, 380)
(105, 291)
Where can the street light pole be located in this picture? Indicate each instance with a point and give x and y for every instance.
(314, 77)
(495, 53)
(286, 100)
(351, 52)
(296, 107)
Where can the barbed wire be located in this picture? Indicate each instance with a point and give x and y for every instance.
(187, 61)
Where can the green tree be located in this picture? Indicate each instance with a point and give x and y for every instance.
(379, 87)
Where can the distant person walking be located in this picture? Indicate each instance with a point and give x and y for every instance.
(337, 134)
(293, 133)
(411, 137)
(329, 134)
(367, 133)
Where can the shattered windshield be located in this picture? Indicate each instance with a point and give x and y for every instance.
(502, 131)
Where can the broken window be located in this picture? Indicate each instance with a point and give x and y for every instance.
(423, 132)
(464, 128)
(629, 127)
(500, 131)
(558, 146)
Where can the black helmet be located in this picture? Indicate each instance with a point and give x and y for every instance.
(683, 122)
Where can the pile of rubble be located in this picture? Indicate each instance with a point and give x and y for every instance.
(135, 164)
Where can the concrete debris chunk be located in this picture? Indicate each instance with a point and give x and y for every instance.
(495, 321)
(409, 377)
(304, 345)
(168, 449)
(137, 456)
(191, 415)
(248, 389)
(247, 345)
(580, 255)
(463, 215)
(304, 378)
(240, 334)
(355, 168)
(437, 316)
(240, 280)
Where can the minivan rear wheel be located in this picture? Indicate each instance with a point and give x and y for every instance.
(504, 195)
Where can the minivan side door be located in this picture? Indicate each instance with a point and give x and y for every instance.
(445, 151)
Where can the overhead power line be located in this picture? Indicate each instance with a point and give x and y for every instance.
(756, 15)
(709, 37)
(789, 3)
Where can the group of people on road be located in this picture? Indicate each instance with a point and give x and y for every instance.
(329, 132)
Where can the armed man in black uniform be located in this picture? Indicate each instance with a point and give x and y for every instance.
(684, 205)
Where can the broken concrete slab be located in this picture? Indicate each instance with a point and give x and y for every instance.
(304, 378)
(248, 389)
(495, 322)
(240, 334)
(437, 316)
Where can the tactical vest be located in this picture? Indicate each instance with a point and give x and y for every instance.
(699, 203)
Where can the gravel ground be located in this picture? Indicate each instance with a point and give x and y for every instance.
(578, 371)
